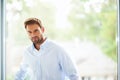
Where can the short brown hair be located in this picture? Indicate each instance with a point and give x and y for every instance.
(32, 21)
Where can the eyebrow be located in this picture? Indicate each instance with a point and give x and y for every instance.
(29, 31)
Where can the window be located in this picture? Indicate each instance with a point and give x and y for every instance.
(6, 27)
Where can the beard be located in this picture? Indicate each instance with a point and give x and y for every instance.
(37, 40)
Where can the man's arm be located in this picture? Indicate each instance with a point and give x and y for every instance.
(68, 66)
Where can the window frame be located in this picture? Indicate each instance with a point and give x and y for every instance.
(118, 40)
(2, 39)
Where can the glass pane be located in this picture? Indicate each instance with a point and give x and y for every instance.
(87, 29)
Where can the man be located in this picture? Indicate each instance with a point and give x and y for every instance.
(44, 60)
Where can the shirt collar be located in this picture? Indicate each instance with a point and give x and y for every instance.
(44, 44)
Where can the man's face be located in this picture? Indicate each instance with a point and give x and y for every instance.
(35, 33)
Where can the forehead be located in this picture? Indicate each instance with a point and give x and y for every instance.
(32, 27)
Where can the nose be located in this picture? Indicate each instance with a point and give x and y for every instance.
(32, 35)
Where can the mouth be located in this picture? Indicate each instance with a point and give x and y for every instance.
(34, 39)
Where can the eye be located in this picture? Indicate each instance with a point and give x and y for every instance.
(36, 30)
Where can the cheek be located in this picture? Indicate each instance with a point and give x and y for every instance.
(29, 35)
(39, 33)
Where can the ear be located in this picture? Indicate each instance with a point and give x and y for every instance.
(42, 29)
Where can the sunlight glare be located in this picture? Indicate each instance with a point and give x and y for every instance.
(62, 10)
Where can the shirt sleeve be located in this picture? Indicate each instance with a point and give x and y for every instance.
(21, 73)
(68, 66)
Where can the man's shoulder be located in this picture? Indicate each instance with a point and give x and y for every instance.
(53, 43)
(56, 45)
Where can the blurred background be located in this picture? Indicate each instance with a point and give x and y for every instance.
(87, 29)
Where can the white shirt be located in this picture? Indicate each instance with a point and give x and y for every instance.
(51, 62)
